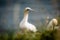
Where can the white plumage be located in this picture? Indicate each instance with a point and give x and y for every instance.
(24, 24)
(52, 24)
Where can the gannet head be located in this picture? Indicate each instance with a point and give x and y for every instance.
(28, 9)
(55, 21)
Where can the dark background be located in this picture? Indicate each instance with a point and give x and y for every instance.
(11, 12)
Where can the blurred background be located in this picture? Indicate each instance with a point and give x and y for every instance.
(11, 12)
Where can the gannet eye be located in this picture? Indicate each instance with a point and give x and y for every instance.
(28, 9)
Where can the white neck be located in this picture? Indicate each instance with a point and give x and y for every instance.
(25, 19)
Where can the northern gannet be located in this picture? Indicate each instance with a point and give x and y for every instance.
(52, 24)
(24, 24)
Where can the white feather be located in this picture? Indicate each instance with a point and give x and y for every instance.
(24, 24)
(52, 24)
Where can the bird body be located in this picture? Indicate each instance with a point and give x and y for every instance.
(24, 24)
(52, 24)
(28, 26)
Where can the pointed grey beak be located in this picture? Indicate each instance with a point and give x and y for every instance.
(32, 9)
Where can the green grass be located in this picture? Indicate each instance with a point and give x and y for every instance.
(28, 36)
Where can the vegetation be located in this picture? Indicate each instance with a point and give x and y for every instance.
(47, 35)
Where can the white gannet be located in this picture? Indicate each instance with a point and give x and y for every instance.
(24, 24)
(52, 24)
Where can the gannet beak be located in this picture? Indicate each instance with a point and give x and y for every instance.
(32, 9)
